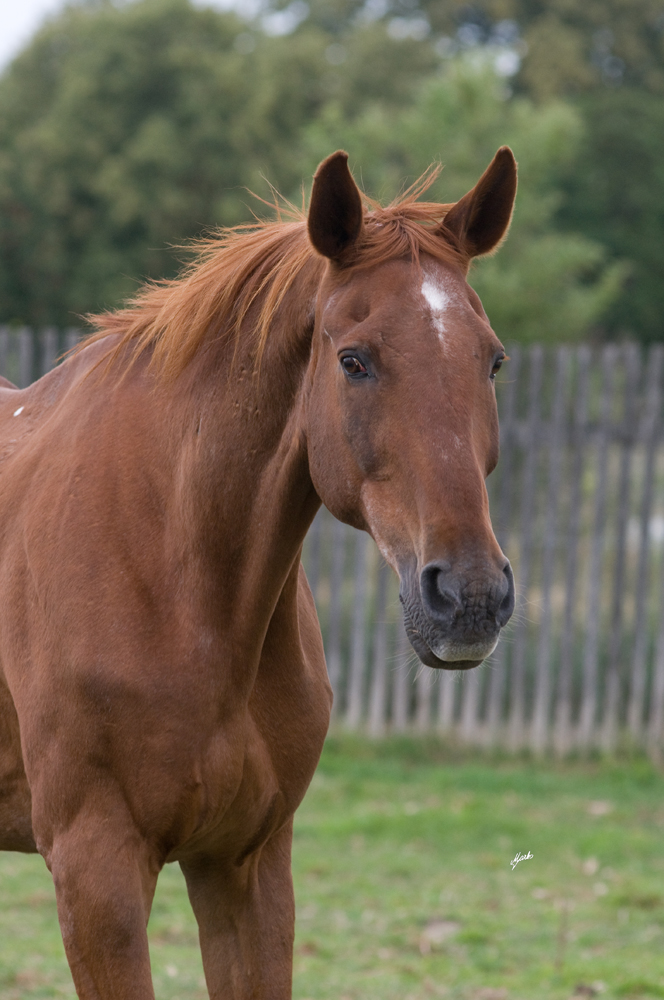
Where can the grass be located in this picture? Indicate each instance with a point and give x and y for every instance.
(405, 890)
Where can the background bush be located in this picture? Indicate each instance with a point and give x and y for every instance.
(126, 128)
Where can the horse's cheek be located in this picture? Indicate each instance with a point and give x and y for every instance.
(359, 433)
(335, 473)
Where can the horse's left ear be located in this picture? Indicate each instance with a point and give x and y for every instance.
(335, 209)
(482, 217)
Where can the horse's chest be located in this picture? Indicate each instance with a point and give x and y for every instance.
(237, 803)
(258, 764)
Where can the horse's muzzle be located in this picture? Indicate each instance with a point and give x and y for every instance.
(453, 617)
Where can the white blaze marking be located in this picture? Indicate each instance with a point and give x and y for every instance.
(438, 300)
(20, 410)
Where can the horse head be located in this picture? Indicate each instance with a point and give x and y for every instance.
(402, 425)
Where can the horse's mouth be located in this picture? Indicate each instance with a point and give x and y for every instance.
(450, 655)
(455, 625)
(429, 658)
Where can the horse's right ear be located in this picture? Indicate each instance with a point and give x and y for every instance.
(335, 209)
(480, 220)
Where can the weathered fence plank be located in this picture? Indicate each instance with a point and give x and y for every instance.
(562, 735)
(589, 697)
(611, 702)
(650, 434)
(540, 722)
(334, 622)
(517, 719)
(4, 347)
(401, 687)
(26, 351)
(359, 632)
(424, 691)
(446, 699)
(378, 697)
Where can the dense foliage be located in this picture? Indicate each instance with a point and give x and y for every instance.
(127, 127)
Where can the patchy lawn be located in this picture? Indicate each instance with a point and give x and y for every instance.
(405, 889)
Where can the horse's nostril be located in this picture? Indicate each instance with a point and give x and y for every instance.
(441, 594)
(448, 597)
(506, 607)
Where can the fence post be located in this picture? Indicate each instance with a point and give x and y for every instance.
(494, 715)
(540, 723)
(423, 688)
(378, 699)
(359, 632)
(591, 646)
(72, 337)
(401, 686)
(563, 715)
(4, 343)
(49, 351)
(635, 711)
(333, 651)
(518, 706)
(470, 694)
(25, 358)
(446, 695)
(609, 730)
(656, 720)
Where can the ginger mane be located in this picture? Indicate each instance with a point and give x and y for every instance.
(257, 263)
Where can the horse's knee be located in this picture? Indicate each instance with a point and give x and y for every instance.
(106, 880)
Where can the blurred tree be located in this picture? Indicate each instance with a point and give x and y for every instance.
(543, 284)
(607, 56)
(114, 138)
(565, 47)
(615, 193)
(128, 126)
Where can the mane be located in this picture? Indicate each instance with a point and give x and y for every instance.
(257, 263)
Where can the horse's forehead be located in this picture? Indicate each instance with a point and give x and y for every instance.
(427, 285)
(428, 303)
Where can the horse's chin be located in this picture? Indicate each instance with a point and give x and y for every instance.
(451, 654)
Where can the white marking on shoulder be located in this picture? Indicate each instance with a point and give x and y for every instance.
(438, 300)
(20, 410)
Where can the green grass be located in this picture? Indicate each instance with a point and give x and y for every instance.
(404, 887)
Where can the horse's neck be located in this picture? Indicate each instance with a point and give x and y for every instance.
(249, 497)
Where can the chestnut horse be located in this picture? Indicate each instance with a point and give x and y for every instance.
(163, 692)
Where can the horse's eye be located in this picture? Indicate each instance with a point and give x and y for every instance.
(497, 365)
(353, 366)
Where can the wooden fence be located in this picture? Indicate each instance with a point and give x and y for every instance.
(578, 506)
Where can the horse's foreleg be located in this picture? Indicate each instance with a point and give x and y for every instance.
(104, 883)
(246, 920)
